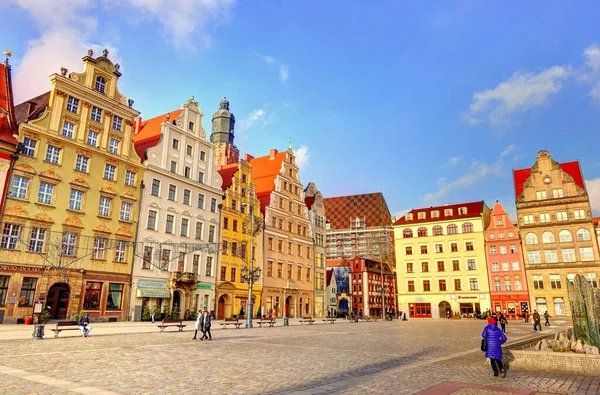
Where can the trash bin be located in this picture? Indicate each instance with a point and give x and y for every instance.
(286, 321)
(38, 332)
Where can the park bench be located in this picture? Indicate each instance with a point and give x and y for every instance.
(170, 322)
(331, 320)
(65, 326)
(308, 319)
(266, 321)
(231, 321)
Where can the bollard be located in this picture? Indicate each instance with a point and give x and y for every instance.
(286, 321)
(38, 332)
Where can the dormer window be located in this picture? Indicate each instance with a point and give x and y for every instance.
(191, 126)
(100, 84)
(409, 217)
(435, 214)
(462, 210)
(448, 212)
(422, 215)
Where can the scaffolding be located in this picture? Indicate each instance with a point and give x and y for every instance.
(359, 240)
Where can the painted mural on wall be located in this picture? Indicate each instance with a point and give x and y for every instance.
(342, 278)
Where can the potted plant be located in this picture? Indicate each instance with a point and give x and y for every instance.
(44, 317)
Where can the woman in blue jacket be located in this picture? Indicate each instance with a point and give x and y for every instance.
(495, 338)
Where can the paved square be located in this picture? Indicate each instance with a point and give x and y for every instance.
(381, 357)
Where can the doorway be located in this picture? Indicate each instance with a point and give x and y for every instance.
(58, 301)
(221, 308)
(176, 302)
(445, 310)
(289, 306)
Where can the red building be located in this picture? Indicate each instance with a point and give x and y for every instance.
(8, 128)
(506, 269)
(366, 280)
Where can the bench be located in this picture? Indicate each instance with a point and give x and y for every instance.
(170, 322)
(369, 318)
(70, 326)
(231, 321)
(331, 320)
(266, 321)
(308, 319)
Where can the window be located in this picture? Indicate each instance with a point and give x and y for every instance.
(100, 84)
(503, 250)
(72, 104)
(495, 267)
(172, 192)
(52, 154)
(555, 281)
(10, 236)
(518, 285)
(113, 146)
(36, 240)
(533, 257)
(545, 218)
(501, 235)
(454, 247)
(583, 235)
(409, 267)
(19, 187)
(590, 277)
(209, 264)
(109, 171)
(187, 196)
(225, 222)
(75, 199)
(467, 227)
(515, 266)
(187, 172)
(452, 229)
(125, 214)
(104, 206)
(201, 177)
(437, 230)
(68, 129)
(29, 147)
(151, 222)
(422, 215)
(234, 204)
(96, 114)
(198, 235)
(233, 274)
(223, 273)
(471, 265)
(120, 251)
(69, 243)
(548, 237)
(511, 235)
(579, 214)
(442, 285)
(407, 233)
(45, 193)
(422, 232)
(531, 238)
(211, 233)
(435, 214)
(562, 216)
(457, 285)
(130, 178)
(184, 227)
(299, 273)
(439, 248)
(165, 259)
(213, 205)
(280, 270)
(424, 267)
(505, 266)
(456, 265)
(92, 296)
(528, 219)
(492, 250)
(408, 250)
(473, 284)
(564, 236)
(200, 201)
(551, 256)
(289, 271)
(92, 138)
(173, 167)
(469, 246)
(27, 291)
(169, 223)
(507, 285)
(81, 164)
(155, 187)
(202, 155)
(441, 266)
(289, 247)
(557, 193)
(3, 289)
(115, 295)
(540, 195)
(196, 264)
(423, 249)
(538, 281)
(568, 255)
(497, 286)
(411, 286)
(426, 286)
(99, 248)
(189, 150)
(492, 237)
(175, 144)
(586, 253)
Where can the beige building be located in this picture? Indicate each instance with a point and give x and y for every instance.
(557, 231)
(316, 213)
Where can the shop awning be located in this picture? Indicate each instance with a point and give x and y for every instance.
(153, 293)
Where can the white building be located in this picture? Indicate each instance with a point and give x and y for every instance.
(178, 232)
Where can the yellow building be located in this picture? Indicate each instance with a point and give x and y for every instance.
(240, 198)
(70, 219)
(441, 261)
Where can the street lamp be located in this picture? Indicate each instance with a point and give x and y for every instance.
(249, 274)
(384, 290)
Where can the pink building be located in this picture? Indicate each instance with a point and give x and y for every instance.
(508, 283)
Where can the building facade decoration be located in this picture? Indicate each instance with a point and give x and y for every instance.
(441, 260)
(557, 230)
(316, 214)
(373, 288)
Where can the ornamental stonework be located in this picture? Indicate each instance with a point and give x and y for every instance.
(25, 168)
(43, 217)
(124, 231)
(73, 221)
(102, 228)
(50, 174)
(80, 182)
(16, 211)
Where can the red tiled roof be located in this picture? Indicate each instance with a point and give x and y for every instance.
(150, 131)
(8, 124)
(24, 112)
(571, 168)
(474, 209)
(371, 207)
(264, 172)
(596, 221)
(227, 173)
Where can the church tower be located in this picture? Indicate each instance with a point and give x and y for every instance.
(222, 136)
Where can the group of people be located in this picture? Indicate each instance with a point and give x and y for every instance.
(202, 324)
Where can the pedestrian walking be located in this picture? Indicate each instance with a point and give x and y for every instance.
(206, 326)
(494, 338)
(152, 317)
(536, 320)
(198, 324)
(503, 322)
(84, 325)
(547, 318)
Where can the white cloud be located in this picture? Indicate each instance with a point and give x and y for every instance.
(302, 155)
(593, 189)
(284, 71)
(257, 118)
(592, 57)
(595, 92)
(454, 160)
(521, 92)
(507, 151)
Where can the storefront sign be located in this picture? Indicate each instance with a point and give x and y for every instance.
(204, 286)
(37, 308)
(21, 269)
(467, 297)
(151, 284)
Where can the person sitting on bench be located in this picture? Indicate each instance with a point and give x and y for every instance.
(84, 325)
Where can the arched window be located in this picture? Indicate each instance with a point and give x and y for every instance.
(548, 237)
(100, 84)
(407, 233)
(422, 231)
(452, 229)
(467, 227)
(565, 236)
(583, 234)
(531, 238)
(437, 230)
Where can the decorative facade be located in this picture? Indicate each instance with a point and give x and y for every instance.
(557, 230)
(316, 214)
(288, 286)
(506, 269)
(373, 288)
(8, 131)
(69, 221)
(441, 260)
(175, 264)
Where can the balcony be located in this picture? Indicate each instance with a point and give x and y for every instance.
(184, 277)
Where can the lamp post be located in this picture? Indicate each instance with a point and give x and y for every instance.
(249, 274)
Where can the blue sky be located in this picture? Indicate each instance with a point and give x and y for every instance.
(429, 102)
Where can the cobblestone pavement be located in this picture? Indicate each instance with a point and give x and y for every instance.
(383, 357)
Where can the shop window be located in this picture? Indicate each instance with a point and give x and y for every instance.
(93, 292)
(27, 291)
(115, 296)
